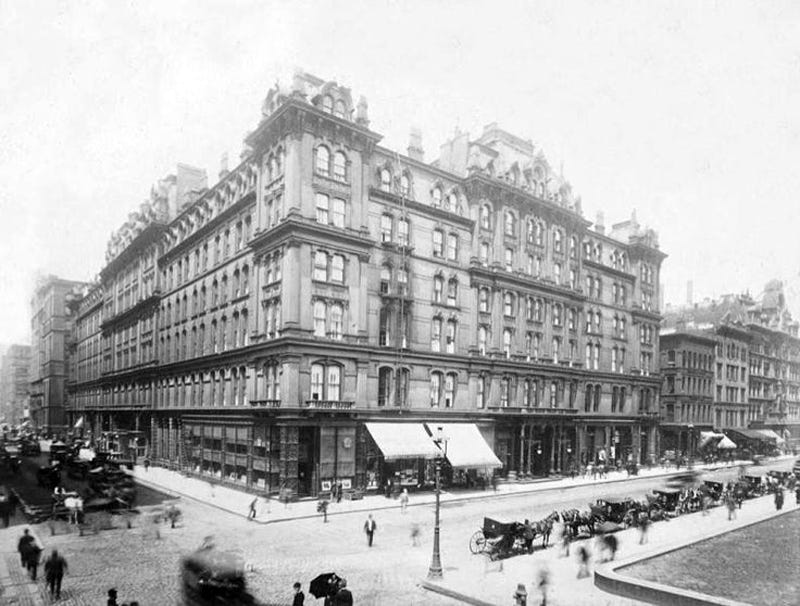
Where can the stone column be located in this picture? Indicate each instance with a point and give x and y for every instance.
(521, 467)
(552, 448)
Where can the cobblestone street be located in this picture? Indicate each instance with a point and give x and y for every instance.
(145, 568)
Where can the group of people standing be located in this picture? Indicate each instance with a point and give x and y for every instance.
(54, 566)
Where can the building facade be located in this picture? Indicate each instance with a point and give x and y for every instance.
(52, 324)
(756, 365)
(254, 330)
(14, 383)
(687, 396)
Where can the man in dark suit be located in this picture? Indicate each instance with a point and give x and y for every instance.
(343, 597)
(298, 598)
(369, 528)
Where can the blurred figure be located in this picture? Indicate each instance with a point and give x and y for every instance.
(730, 503)
(404, 500)
(644, 526)
(415, 535)
(343, 597)
(543, 581)
(778, 497)
(584, 557)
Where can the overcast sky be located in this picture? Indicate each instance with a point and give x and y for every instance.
(688, 112)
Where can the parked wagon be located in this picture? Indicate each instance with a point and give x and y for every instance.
(668, 500)
(754, 486)
(713, 489)
(612, 509)
(498, 539)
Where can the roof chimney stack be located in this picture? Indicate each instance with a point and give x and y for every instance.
(689, 292)
(223, 166)
(599, 224)
(415, 151)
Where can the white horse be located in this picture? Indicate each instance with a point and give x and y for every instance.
(75, 507)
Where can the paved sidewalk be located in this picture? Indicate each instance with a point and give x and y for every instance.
(485, 583)
(16, 587)
(269, 511)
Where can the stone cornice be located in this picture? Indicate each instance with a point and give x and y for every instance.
(141, 306)
(207, 228)
(479, 186)
(296, 228)
(149, 235)
(503, 279)
(439, 213)
(609, 270)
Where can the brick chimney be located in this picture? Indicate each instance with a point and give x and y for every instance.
(415, 151)
(599, 224)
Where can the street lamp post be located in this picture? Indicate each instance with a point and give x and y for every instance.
(435, 570)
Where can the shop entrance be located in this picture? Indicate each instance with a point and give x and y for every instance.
(306, 459)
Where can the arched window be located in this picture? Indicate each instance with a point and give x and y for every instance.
(438, 288)
(436, 389)
(483, 299)
(508, 304)
(385, 384)
(452, 291)
(326, 382)
(323, 159)
(327, 104)
(450, 382)
(531, 232)
(485, 218)
(450, 338)
(386, 179)
(558, 245)
(339, 109)
(483, 339)
(507, 335)
(245, 280)
(510, 223)
(484, 253)
(436, 196)
(337, 315)
(452, 201)
(339, 166)
(436, 335)
(405, 185)
(505, 391)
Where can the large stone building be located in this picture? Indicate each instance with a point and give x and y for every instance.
(756, 365)
(265, 330)
(14, 384)
(51, 334)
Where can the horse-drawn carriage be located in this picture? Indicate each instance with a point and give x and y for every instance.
(612, 509)
(713, 490)
(49, 476)
(668, 501)
(753, 486)
(113, 484)
(499, 539)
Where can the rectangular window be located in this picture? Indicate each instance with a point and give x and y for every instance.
(386, 228)
(436, 385)
(438, 243)
(452, 247)
(449, 390)
(322, 208)
(337, 212)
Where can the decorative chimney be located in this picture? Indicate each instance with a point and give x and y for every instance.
(415, 151)
(361, 112)
(599, 224)
(223, 166)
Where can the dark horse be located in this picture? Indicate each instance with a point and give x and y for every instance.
(545, 528)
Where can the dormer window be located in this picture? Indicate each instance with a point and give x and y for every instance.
(386, 179)
(436, 196)
(339, 109)
(327, 104)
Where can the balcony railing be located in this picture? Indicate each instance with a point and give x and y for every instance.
(265, 403)
(329, 404)
(536, 411)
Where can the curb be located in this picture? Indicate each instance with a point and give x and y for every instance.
(461, 597)
(608, 579)
(538, 486)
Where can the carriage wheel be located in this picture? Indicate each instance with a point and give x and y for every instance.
(477, 543)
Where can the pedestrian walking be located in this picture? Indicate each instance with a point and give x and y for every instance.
(644, 526)
(584, 557)
(22, 546)
(609, 545)
(112, 597)
(797, 495)
(778, 497)
(54, 568)
(339, 491)
(251, 515)
(730, 503)
(146, 464)
(415, 535)
(298, 598)
(369, 528)
(404, 500)
(343, 597)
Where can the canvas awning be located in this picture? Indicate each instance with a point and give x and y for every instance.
(707, 437)
(770, 435)
(753, 434)
(403, 440)
(726, 443)
(466, 447)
